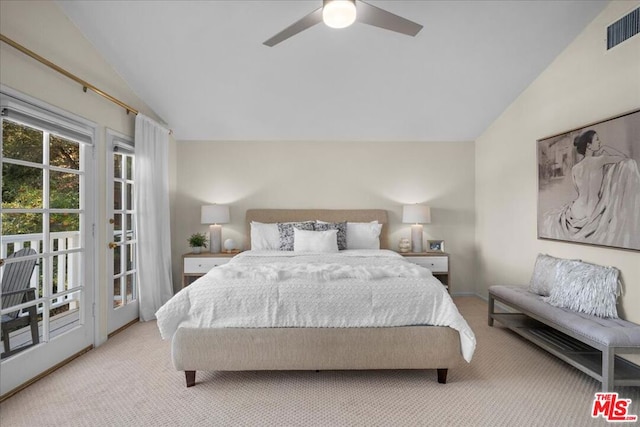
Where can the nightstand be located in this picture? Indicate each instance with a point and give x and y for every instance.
(437, 262)
(197, 265)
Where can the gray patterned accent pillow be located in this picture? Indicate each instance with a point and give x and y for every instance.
(586, 288)
(286, 233)
(544, 275)
(342, 231)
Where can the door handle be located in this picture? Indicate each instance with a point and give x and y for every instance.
(112, 221)
(112, 245)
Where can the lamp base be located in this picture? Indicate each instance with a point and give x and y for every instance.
(215, 238)
(416, 238)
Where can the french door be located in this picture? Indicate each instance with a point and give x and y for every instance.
(122, 262)
(47, 235)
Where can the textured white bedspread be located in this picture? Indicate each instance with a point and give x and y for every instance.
(353, 288)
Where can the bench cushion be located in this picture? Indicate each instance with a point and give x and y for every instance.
(606, 331)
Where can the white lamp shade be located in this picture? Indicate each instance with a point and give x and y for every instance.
(339, 13)
(214, 214)
(416, 214)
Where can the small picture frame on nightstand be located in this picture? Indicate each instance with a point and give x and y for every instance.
(435, 245)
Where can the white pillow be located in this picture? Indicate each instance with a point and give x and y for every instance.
(363, 235)
(265, 237)
(315, 241)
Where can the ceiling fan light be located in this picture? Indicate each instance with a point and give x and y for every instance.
(339, 13)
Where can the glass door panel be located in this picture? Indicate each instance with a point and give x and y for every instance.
(123, 295)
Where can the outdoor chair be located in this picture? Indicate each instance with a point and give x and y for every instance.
(15, 290)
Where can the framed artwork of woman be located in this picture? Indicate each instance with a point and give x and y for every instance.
(589, 184)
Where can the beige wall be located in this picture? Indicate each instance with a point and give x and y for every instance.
(585, 84)
(349, 175)
(44, 29)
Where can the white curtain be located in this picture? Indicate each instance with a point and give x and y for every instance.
(151, 198)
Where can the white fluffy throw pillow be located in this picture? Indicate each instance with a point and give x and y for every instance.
(586, 288)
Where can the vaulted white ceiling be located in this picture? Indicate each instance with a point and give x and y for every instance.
(202, 67)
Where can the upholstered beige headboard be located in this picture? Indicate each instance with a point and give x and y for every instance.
(329, 215)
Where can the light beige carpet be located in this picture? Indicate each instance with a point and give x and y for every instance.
(129, 381)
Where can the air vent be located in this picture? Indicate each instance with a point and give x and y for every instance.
(624, 28)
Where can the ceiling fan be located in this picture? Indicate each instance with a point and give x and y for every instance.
(342, 13)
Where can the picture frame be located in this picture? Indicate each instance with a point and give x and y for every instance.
(435, 245)
(589, 184)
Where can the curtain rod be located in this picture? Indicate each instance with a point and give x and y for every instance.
(85, 85)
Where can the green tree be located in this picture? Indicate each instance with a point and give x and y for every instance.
(22, 186)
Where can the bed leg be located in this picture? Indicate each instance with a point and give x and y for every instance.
(442, 376)
(191, 378)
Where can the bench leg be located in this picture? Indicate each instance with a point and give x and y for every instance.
(491, 309)
(608, 364)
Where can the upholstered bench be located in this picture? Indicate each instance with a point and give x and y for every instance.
(588, 342)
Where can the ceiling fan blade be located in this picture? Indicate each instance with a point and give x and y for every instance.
(371, 15)
(307, 21)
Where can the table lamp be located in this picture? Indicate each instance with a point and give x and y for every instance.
(416, 215)
(214, 215)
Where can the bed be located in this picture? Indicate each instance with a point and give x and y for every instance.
(328, 342)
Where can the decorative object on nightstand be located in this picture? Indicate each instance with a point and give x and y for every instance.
(435, 245)
(214, 215)
(197, 241)
(404, 245)
(416, 215)
(229, 245)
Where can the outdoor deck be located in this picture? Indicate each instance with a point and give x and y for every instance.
(59, 324)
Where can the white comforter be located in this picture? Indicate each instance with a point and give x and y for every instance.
(353, 288)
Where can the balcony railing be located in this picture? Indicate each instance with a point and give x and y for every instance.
(64, 309)
(66, 270)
